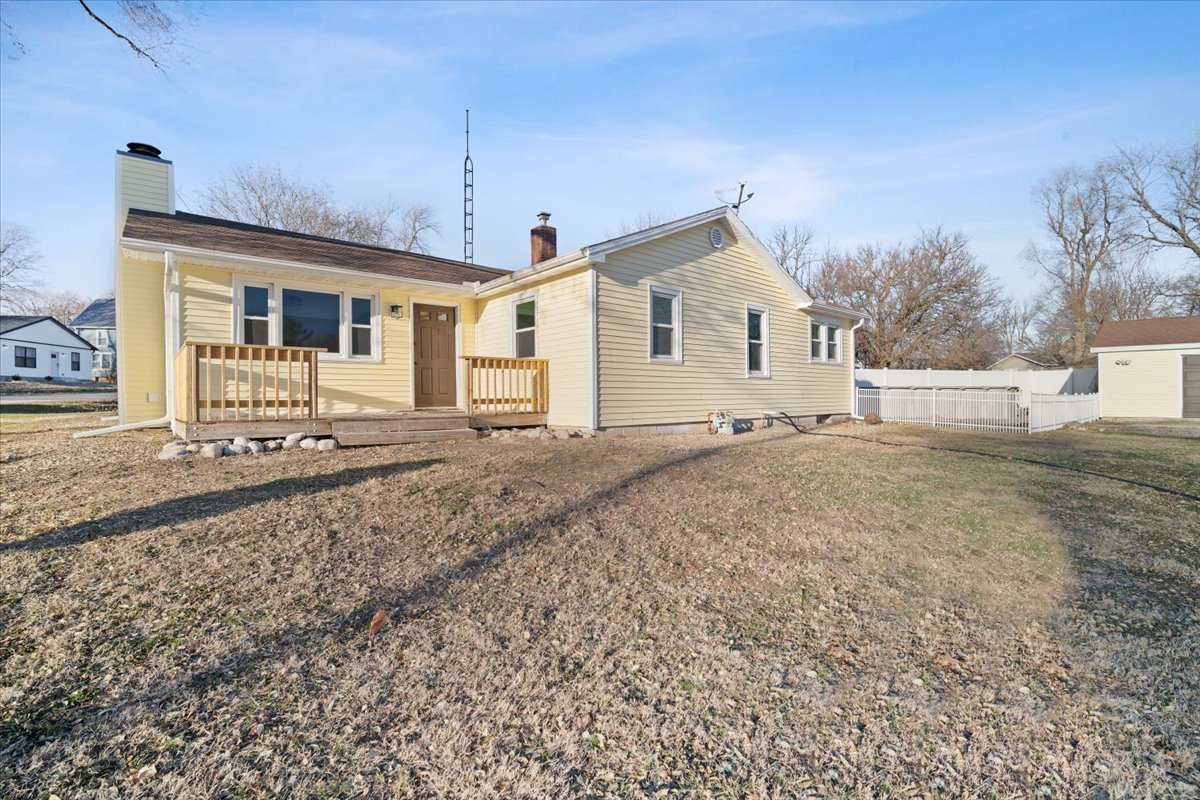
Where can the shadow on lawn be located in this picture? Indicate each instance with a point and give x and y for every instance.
(202, 506)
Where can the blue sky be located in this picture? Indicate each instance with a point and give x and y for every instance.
(865, 121)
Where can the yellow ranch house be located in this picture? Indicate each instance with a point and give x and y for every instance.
(230, 329)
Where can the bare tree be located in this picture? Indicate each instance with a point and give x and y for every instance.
(1184, 294)
(149, 28)
(1084, 215)
(1162, 189)
(644, 220)
(1129, 291)
(265, 196)
(794, 248)
(929, 301)
(1013, 322)
(63, 306)
(20, 265)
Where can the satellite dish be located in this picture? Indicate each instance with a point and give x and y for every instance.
(734, 196)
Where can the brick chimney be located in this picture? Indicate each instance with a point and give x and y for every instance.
(543, 240)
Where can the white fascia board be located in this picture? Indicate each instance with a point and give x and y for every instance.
(768, 260)
(554, 266)
(601, 249)
(1141, 347)
(836, 311)
(234, 260)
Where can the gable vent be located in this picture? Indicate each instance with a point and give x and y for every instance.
(716, 237)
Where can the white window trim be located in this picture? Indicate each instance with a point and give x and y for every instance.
(677, 324)
(766, 340)
(826, 324)
(275, 316)
(525, 297)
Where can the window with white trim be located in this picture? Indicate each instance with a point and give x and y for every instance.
(758, 358)
(25, 357)
(824, 343)
(256, 323)
(102, 338)
(524, 316)
(362, 312)
(665, 314)
(345, 325)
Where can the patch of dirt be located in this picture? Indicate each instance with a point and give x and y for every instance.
(770, 614)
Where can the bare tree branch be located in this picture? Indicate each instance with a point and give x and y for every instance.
(20, 265)
(794, 248)
(1162, 187)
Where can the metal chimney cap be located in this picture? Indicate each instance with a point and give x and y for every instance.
(143, 149)
(544, 217)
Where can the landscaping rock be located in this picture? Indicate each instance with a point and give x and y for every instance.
(325, 445)
(873, 419)
(242, 440)
(173, 450)
(294, 437)
(309, 443)
(534, 433)
(257, 447)
(274, 444)
(214, 450)
(236, 449)
(562, 434)
(289, 444)
(545, 435)
(194, 447)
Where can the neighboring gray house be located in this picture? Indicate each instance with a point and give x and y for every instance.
(98, 325)
(42, 347)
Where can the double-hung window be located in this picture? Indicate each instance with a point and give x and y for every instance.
(824, 344)
(524, 316)
(344, 324)
(758, 354)
(74, 362)
(666, 335)
(25, 357)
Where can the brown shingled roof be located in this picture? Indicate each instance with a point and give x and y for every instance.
(1138, 332)
(238, 238)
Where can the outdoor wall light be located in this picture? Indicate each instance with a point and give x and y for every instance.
(396, 312)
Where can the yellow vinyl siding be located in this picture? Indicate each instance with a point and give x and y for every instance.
(141, 367)
(206, 315)
(563, 335)
(717, 285)
(144, 184)
(1148, 386)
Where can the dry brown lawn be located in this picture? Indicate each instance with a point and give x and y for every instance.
(771, 615)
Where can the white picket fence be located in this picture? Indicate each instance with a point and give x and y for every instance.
(978, 409)
(1048, 381)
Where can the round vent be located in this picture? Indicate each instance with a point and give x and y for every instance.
(716, 237)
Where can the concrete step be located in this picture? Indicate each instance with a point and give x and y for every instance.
(353, 438)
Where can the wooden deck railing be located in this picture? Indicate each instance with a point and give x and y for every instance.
(245, 382)
(502, 386)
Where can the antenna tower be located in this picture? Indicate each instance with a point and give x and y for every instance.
(468, 200)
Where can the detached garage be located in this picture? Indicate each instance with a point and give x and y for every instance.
(1149, 367)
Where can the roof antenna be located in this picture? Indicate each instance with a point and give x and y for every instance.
(468, 200)
(726, 195)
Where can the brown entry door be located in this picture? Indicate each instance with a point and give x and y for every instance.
(434, 366)
(1191, 387)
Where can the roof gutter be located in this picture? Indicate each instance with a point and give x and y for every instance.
(546, 269)
(839, 311)
(275, 263)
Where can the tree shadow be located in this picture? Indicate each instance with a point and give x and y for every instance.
(202, 506)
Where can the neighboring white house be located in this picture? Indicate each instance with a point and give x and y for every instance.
(98, 325)
(42, 347)
(1149, 367)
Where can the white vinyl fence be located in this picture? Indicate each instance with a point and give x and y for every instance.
(1046, 381)
(978, 409)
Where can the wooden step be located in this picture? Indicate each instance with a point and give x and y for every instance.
(353, 438)
(397, 424)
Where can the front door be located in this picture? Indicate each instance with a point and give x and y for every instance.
(54, 373)
(1191, 387)
(434, 367)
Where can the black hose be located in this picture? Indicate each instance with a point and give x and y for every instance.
(1035, 461)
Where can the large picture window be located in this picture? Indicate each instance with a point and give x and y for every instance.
(525, 329)
(345, 325)
(25, 357)
(665, 314)
(758, 359)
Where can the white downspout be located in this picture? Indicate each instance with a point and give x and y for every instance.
(853, 382)
(171, 345)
